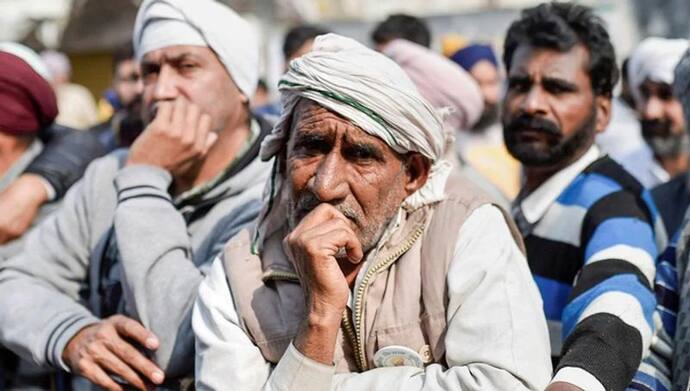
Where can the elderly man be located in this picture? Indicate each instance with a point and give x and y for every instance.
(368, 255)
(113, 274)
(673, 197)
(589, 226)
(663, 127)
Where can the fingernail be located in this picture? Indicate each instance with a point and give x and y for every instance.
(157, 377)
(151, 342)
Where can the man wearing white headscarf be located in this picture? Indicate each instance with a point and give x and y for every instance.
(112, 276)
(650, 71)
(367, 253)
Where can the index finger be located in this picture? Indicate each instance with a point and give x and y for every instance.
(136, 331)
(163, 111)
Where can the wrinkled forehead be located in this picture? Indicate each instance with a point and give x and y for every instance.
(310, 116)
(549, 62)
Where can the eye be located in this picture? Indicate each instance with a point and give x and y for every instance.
(311, 146)
(362, 154)
(149, 73)
(518, 85)
(186, 66)
(665, 95)
(555, 89)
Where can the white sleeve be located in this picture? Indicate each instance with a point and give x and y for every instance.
(225, 357)
(496, 339)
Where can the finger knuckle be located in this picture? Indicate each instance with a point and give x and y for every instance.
(92, 349)
(103, 333)
(83, 365)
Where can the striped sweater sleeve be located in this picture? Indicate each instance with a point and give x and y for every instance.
(654, 373)
(607, 323)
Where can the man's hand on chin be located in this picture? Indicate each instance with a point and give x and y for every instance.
(313, 247)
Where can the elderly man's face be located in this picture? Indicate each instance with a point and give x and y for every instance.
(330, 160)
(193, 73)
(550, 113)
(661, 119)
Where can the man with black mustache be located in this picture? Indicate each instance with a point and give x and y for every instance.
(589, 227)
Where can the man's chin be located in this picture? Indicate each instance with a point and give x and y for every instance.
(533, 154)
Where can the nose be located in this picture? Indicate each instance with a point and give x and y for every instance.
(652, 108)
(329, 183)
(166, 84)
(534, 102)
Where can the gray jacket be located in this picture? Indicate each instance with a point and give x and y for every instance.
(163, 251)
(13, 247)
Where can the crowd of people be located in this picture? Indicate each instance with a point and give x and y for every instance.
(401, 220)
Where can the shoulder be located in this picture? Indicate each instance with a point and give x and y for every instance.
(677, 185)
(464, 191)
(605, 186)
(100, 174)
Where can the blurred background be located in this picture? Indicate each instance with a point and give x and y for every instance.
(89, 31)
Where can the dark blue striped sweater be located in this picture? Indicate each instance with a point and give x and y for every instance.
(593, 256)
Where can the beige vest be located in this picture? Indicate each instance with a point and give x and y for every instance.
(401, 300)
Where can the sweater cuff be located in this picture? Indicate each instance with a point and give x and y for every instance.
(301, 372)
(578, 377)
(51, 194)
(139, 179)
(62, 337)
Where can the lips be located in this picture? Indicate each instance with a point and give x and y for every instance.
(531, 135)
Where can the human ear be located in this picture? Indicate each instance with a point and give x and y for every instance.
(603, 108)
(417, 169)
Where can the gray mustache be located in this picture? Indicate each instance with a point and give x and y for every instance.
(308, 202)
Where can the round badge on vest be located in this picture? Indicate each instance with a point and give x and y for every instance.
(397, 356)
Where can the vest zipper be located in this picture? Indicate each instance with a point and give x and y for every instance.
(357, 335)
(355, 332)
(350, 333)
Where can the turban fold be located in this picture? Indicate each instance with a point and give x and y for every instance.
(372, 92)
(469, 56)
(208, 23)
(654, 59)
(440, 81)
(27, 99)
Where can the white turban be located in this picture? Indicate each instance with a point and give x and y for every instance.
(208, 23)
(654, 59)
(373, 92)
